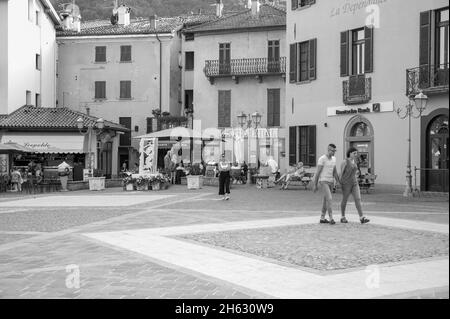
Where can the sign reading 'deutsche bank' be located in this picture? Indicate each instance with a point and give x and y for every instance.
(361, 109)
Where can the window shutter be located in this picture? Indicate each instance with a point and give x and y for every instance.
(425, 49)
(149, 125)
(368, 54)
(224, 112)
(344, 52)
(293, 63)
(292, 145)
(276, 108)
(312, 145)
(270, 106)
(294, 4)
(312, 59)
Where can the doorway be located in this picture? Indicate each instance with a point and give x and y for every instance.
(437, 156)
(360, 135)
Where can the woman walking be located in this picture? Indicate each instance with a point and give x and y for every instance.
(224, 177)
(349, 183)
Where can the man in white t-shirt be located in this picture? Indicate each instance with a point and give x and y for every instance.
(324, 177)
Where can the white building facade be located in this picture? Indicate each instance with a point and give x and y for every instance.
(28, 53)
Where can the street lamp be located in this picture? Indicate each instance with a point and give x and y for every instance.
(408, 111)
(246, 121)
(90, 129)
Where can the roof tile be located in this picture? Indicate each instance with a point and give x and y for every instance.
(29, 116)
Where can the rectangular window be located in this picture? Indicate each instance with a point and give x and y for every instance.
(307, 145)
(125, 139)
(125, 53)
(38, 62)
(273, 56)
(28, 97)
(189, 37)
(224, 58)
(125, 89)
(301, 3)
(442, 38)
(30, 10)
(100, 54)
(358, 51)
(38, 100)
(149, 125)
(100, 89)
(303, 61)
(224, 112)
(38, 20)
(273, 107)
(189, 61)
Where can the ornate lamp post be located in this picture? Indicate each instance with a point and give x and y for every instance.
(246, 121)
(89, 130)
(408, 111)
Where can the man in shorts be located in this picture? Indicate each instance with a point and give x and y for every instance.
(324, 178)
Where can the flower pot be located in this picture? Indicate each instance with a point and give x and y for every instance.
(194, 181)
(156, 186)
(143, 187)
(129, 187)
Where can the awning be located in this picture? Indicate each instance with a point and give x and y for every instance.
(47, 142)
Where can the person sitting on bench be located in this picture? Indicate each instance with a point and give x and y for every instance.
(299, 173)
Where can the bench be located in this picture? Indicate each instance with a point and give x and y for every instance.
(304, 181)
(262, 181)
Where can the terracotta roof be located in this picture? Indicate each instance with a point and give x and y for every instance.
(136, 26)
(268, 16)
(29, 116)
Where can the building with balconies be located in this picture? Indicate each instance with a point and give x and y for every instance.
(237, 64)
(126, 71)
(351, 66)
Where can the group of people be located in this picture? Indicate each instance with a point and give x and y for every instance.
(327, 174)
(20, 178)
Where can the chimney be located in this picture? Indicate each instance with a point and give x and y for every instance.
(255, 7)
(153, 21)
(123, 13)
(219, 8)
(71, 18)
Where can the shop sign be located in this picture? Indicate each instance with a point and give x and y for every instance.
(363, 109)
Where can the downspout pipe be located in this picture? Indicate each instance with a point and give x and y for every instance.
(160, 72)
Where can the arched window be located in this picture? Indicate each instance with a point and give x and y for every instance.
(360, 129)
(439, 125)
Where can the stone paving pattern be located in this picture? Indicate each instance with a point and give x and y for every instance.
(341, 246)
(33, 265)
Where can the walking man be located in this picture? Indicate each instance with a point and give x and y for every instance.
(324, 178)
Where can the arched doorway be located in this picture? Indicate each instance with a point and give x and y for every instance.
(359, 134)
(437, 155)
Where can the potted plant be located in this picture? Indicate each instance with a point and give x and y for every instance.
(128, 183)
(195, 177)
(142, 183)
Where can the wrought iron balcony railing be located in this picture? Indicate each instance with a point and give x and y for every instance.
(357, 90)
(245, 67)
(427, 78)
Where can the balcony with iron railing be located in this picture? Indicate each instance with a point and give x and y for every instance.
(430, 79)
(357, 90)
(257, 67)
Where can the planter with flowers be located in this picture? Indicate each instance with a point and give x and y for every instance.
(142, 183)
(128, 183)
(195, 177)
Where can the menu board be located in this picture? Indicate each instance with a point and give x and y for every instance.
(4, 164)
